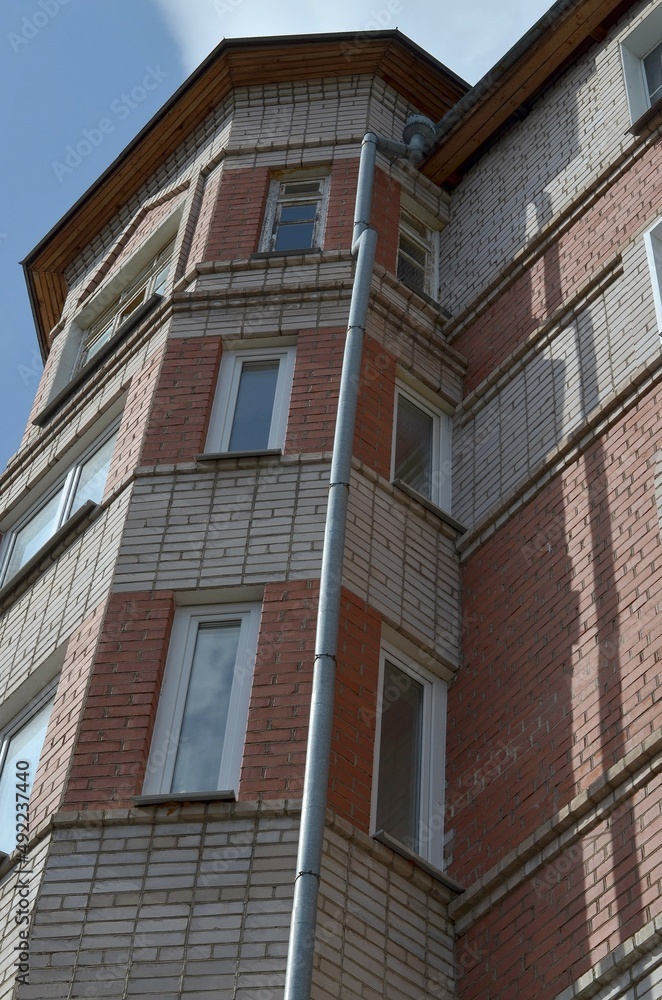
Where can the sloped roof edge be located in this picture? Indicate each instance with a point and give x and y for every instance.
(567, 28)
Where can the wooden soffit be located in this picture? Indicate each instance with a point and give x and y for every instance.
(552, 43)
(389, 55)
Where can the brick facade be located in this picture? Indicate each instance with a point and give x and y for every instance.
(532, 603)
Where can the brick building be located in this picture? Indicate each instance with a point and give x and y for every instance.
(494, 792)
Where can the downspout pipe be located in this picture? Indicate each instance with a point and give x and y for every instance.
(419, 133)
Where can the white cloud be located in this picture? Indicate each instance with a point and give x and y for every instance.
(469, 37)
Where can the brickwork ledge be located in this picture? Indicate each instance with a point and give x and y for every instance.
(584, 812)
(621, 962)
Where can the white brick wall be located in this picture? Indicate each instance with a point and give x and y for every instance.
(224, 526)
(553, 389)
(198, 904)
(573, 132)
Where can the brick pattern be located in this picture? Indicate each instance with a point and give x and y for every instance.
(399, 561)
(197, 901)
(587, 901)
(62, 597)
(236, 523)
(275, 748)
(234, 230)
(315, 385)
(110, 756)
(56, 754)
(551, 392)
(10, 897)
(373, 436)
(182, 401)
(355, 716)
(134, 423)
(624, 210)
(203, 222)
(561, 638)
(517, 187)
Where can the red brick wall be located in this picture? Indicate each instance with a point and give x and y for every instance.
(129, 444)
(385, 215)
(183, 400)
(312, 417)
(236, 223)
(118, 717)
(571, 912)
(622, 211)
(49, 783)
(357, 679)
(373, 436)
(275, 749)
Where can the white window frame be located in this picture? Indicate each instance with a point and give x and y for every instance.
(429, 245)
(433, 740)
(634, 49)
(653, 241)
(17, 724)
(170, 712)
(103, 298)
(442, 433)
(69, 480)
(225, 399)
(112, 316)
(275, 200)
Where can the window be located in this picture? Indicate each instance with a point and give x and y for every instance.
(252, 400)
(641, 53)
(653, 240)
(201, 720)
(150, 281)
(416, 254)
(84, 481)
(409, 754)
(21, 744)
(295, 214)
(422, 448)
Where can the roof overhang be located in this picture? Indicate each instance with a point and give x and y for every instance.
(423, 81)
(505, 93)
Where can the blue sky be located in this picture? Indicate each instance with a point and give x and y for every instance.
(67, 64)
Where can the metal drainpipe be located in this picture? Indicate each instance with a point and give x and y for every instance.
(419, 134)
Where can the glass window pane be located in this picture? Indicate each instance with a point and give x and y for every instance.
(133, 304)
(653, 70)
(412, 275)
(93, 475)
(255, 405)
(96, 342)
(198, 761)
(301, 188)
(25, 745)
(298, 213)
(413, 447)
(41, 526)
(161, 279)
(416, 253)
(296, 236)
(399, 781)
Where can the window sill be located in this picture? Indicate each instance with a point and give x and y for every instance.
(48, 553)
(70, 388)
(263, 254)
(217, 456)
(432, 507)
(179, 797)
(431, 301)
(638, 127)
(416, 859)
